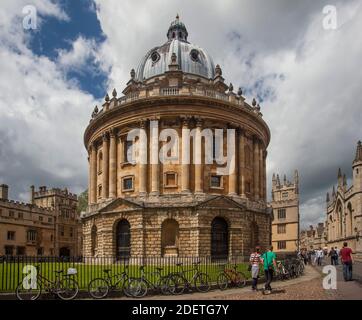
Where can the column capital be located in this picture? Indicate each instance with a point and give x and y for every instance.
(105, 136)
(154, 118)
(185, 120)
(199, 122)
(113, 132)
(143, 123)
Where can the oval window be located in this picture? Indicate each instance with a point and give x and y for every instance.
(155, 56)
(194, 55)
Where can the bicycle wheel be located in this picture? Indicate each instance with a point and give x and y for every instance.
(202, 282)
(68, 289)
(98, 288)
(222, 281)
(138, 288)
(127, 289)
(240, 280)
(177, 284)
(28, 294)
(165, 285)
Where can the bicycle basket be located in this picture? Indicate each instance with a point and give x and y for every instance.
(71, 271)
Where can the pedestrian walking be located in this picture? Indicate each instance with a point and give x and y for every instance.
(347, 261)
(332, 254)
(336, 256)
(269, 262)
(319, 256)
(255, 260)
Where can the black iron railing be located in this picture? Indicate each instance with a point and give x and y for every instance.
(12, 268)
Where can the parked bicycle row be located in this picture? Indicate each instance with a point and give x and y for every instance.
(157, 281)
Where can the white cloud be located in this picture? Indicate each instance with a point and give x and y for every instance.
(43, 115)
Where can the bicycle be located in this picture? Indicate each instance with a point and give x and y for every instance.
(64, 286)
(232, 276)
(282, 272)
(99, 288)
(163, 283)
(200, 280)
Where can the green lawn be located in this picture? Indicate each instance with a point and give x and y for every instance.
(11, 272)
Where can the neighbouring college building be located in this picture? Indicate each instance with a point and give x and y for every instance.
(172, 207)
(285, 204)
(47, 226)
(344, 209)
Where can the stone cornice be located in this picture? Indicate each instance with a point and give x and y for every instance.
(211, 108)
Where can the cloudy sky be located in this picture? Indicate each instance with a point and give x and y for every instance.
(307, 78)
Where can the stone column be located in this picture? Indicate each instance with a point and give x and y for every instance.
(142, 165)
(93, 175)
(241, 162)
(265, 154)
(261, 171)
(197, 157)
(233, 173)
(185, 165)
(112, 165)
(105, 168)
(154, 153)
(89, 179)
(256, 167)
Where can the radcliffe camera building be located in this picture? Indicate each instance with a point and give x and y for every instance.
(344, 208)
(49, 225)
(285, 204)
(171, 208)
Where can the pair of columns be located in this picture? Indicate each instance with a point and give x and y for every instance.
(109, 167)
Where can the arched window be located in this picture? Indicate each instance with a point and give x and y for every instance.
(93, 240)
(340, 219)
(219, 238)
(350, 219)
(123, 239)
(169, 237)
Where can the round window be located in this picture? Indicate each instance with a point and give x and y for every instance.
(155, 56)
(194, 55)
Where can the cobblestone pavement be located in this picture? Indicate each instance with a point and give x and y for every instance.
(351, 290)
(306, 287)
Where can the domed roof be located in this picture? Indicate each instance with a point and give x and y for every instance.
(190, 58)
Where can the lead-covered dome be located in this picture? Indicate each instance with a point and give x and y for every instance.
(190, 58)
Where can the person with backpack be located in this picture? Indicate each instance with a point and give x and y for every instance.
(270, 265)
(255, 260)
(332, 254)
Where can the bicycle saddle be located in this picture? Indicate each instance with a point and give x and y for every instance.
(198, 262)
(179, 264)
(58, 271)
(159, 269)
(107, 270)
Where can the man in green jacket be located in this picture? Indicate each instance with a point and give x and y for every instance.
(270, 264)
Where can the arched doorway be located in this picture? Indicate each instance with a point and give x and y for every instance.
(64, 252)
(123, 239)
(219, 239)
(169, 237)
